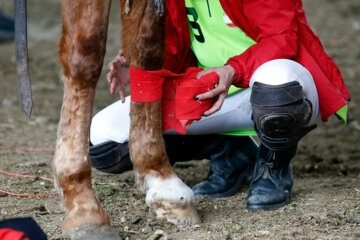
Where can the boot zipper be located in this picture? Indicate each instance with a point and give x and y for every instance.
(266, 168)
(266, 172)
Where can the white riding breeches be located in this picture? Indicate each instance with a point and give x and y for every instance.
(113, 122)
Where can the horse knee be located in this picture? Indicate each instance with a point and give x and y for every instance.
(82, 55)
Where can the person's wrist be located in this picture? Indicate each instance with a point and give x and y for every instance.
(231, 71)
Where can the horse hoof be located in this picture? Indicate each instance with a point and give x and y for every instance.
(178, 215)
(93, 232)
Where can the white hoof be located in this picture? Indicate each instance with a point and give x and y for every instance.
(178, 215)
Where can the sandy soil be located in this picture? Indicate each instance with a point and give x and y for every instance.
(326, 202)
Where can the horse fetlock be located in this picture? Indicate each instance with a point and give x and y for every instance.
(139, 181)
(87, 212)
(81, 205)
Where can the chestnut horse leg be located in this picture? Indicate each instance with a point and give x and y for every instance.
(82, 49)
(143, 40)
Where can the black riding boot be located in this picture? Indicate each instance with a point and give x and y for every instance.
(272, 180)
(229, 167)
(281, 115)
(232, 159)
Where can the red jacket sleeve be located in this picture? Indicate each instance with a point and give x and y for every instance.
(274, 23)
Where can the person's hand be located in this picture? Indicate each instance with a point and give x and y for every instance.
(226, 78)
(119, 74)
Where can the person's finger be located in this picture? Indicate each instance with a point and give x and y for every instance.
(113, 68)
(122, 57)
(122, 60)
(210, 94)
(216, 106)
(122, 93)
(109, 77)
(112, 87)
(204, 72)
(117, 59)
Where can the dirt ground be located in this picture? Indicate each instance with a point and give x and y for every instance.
(326, 201)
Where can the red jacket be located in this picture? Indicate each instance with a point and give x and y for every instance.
(281, 31)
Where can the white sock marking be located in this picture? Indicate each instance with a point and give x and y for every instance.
(171, 189)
